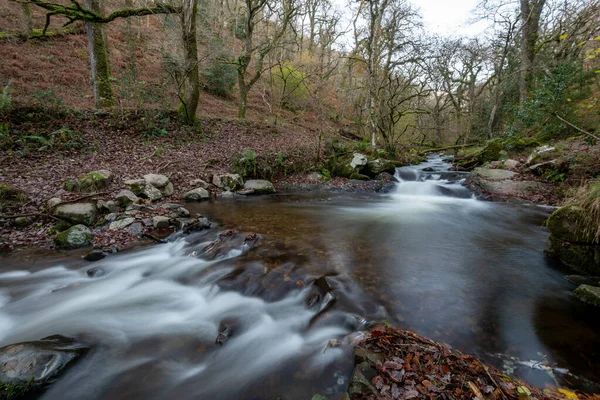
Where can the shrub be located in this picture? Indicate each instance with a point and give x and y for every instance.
(6, 98)
(292, 84)
(220, 78)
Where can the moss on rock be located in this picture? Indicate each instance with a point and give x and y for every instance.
(580, 257)
(568, 224)
(74, 237)
(588, 294)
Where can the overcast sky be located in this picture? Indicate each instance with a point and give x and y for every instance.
(449, 17)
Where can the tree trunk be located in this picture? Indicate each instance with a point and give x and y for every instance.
(103, 94)
(243, 96)
(191, 94)
(531, 12)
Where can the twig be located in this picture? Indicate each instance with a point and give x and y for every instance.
(84, 197)
(576, 127)
(493, 380)
(475, 390)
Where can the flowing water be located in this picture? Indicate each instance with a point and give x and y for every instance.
(428, 257)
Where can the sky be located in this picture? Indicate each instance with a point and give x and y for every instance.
(449, 17)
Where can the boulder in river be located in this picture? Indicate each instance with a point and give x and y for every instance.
(160, 222)
(488, 173)
(588, 294)
(499, 182)
(74, 237)
(77, 213)
(229, 182)
(568, 223)
(258, 186)
(378, 166)
(197, 194)
(583, 258)
(28, 368)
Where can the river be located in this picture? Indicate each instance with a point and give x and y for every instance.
(428, 257)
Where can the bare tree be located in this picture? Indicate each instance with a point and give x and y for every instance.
(191, 94)
(531, 12)
(254, 13)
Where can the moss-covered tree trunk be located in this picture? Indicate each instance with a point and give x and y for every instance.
(531, 12)
(191, 94)
(103, 93)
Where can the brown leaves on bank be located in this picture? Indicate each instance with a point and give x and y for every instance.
(414, 367)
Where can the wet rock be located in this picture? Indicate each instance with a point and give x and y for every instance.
(258, 186)
(74, 237)
(582, 258)
(568, 223)
(95, 181)
(160, 222)
(30, 367)
(228, 182)
(199, 183)
(197, 194)
(378, 166)
(385, 176)
(227, 195)
(125, 198)
(77, 213)
(588, 294)
(96, 272)
(192, 224)
(358, 161)
(583, 280)
(121, 224)
(360, 382)
(224, 334)
(94, 255)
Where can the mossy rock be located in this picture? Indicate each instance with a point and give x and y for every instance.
(11, 194)
(94, 181)
(588, 294)
(582, 258)
(378, 166)
(74, 237)
(342, 169)
(491, 152)
(359, 177)
(568, 224)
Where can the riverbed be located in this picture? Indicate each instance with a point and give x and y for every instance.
(428, 256)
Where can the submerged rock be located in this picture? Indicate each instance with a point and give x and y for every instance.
(28, 368)
(74, 237)
(77, 213)
(588, 294)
